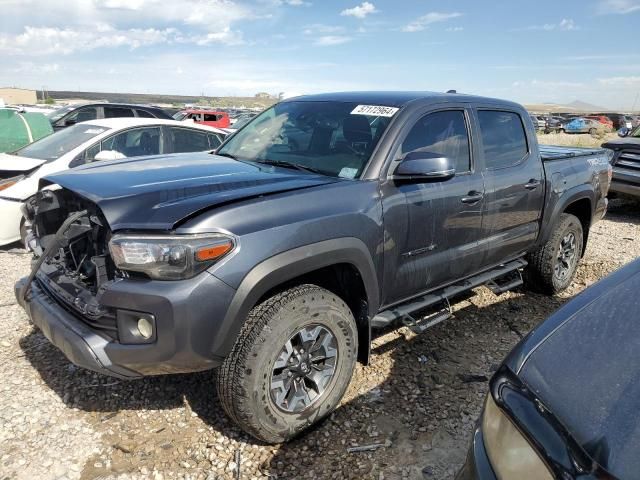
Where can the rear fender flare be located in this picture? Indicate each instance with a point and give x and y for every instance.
(572, 195)
(288, 265)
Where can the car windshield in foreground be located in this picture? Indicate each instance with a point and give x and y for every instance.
(331, 138)
(57, 144)
(56, 115)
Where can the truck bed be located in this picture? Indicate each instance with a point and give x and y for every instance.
(558, 152)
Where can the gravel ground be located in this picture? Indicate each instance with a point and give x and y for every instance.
(419, 398)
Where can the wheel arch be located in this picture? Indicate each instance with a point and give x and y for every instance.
(579, 202)
(343, 266)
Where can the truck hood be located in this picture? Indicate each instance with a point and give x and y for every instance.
(15, 163)
(157, 193)
(621, 143)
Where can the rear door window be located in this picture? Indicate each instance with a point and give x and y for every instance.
(117, 112)
(185, 140)
(503, 137)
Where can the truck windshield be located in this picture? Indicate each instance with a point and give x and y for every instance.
(57, 144)
(331, 138)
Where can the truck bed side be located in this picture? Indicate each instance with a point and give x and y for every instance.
(572, 188)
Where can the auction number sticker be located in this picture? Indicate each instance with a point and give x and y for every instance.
(374, 110)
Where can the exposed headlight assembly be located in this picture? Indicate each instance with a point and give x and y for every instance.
(169, 257)
(511, 455)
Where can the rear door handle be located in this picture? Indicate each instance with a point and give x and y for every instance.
(472, 198)
(532, 185)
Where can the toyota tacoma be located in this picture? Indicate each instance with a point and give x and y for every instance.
(322, 219)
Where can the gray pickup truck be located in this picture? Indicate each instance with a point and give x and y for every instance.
(324, 218)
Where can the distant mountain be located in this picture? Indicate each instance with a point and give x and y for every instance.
(577, 106)
(585, 107)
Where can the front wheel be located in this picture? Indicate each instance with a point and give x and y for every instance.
(552, 267)
(291, 363)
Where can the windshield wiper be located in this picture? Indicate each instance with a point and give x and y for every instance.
(285, 164)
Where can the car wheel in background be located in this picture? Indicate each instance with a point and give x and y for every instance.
(291, 364)
(552, 267)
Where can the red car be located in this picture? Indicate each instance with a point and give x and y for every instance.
(213, 118)
(602, 119)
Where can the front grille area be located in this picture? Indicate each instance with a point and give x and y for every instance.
(77, 266)
(628, 160)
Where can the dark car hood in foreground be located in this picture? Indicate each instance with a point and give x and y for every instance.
(623, 143)
(158, 192)
(583, 363)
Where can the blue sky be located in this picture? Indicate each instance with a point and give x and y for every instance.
(528, 51)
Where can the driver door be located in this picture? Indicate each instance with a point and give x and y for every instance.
(432, 229)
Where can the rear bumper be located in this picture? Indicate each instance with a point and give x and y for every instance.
(188, 316)
(477, 466)
(10, 225)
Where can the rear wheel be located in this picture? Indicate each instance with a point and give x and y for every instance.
(593, 132)
(291, 363)
(552, 267)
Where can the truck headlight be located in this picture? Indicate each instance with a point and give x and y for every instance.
(169, 257)
(511, 455)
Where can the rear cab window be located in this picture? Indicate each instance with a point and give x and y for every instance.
(504, 138)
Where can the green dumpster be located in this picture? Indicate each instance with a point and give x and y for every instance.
(20, 129)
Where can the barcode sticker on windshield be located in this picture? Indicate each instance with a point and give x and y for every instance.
(374, 110)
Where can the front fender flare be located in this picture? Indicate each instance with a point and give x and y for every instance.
(288, 265)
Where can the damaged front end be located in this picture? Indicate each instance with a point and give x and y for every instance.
(69, 238)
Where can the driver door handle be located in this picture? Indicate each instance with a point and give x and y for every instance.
(532, 185)
(472, 198)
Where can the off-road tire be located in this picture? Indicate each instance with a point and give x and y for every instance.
(539, 274)
(244, 379)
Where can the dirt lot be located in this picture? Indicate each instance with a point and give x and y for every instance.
(419, 398)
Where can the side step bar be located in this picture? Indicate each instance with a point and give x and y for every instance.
(499, 279)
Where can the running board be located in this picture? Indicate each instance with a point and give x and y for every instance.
(506, 283)
(404, 311)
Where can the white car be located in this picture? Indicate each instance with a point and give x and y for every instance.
(108, 139)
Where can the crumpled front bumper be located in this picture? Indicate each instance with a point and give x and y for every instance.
(80, 344)
(188, 319)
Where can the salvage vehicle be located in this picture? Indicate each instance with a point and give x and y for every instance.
(626, 162)
(21, 170)
(585, 125)
(602, 119)
(274, 260)
(564, 404)
(212, 118)
(70, 115)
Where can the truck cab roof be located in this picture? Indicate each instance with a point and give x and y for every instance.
(398, 98)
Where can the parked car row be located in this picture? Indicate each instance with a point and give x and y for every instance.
(585, 124)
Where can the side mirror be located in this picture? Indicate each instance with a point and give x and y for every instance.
(69, 122)
(108, 155)
(623, 132)
(424, 167)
